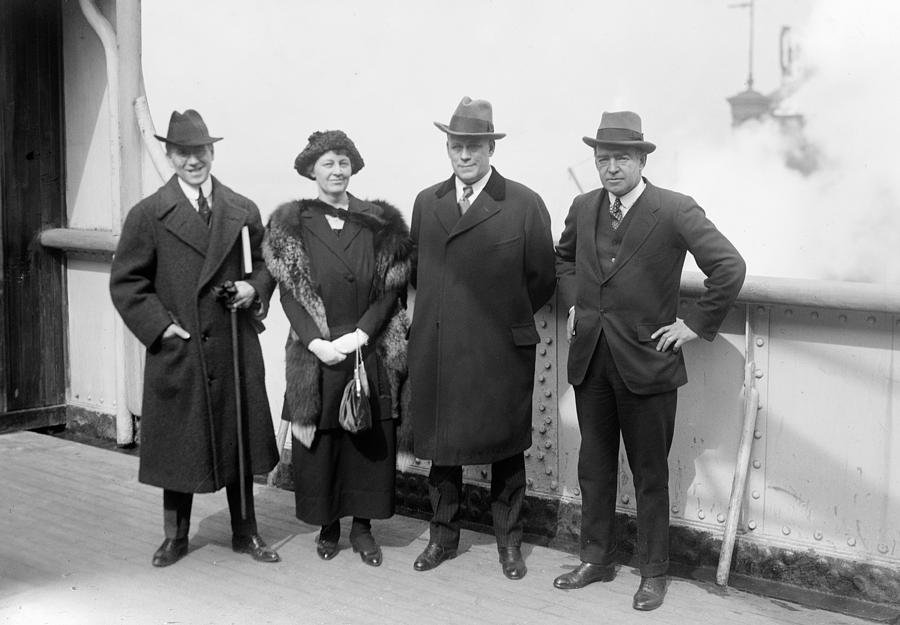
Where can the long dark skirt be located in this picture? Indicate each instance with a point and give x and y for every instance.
(346, 474)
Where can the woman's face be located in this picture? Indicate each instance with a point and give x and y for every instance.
(332, 172)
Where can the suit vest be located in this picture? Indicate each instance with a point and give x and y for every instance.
(609, 240)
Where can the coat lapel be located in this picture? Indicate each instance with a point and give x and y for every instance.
(351, 228)
(588, 225)
(446, 208)
(485, 206)
(643, 221)
(227, 220)
(180, 218)
(316, 224)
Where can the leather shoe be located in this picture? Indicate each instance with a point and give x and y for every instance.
(367, 548)
(584, 574)
(255, 546)
(432, 556)
(171, 551)
(512, 562)
(650, 593)
(326, 549)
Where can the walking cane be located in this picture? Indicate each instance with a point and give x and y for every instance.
(226, 292)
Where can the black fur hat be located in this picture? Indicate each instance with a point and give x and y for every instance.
(321, 142)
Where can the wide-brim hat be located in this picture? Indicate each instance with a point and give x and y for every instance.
(187, 129)
(324, 141)
(472, 118)
(620, 129)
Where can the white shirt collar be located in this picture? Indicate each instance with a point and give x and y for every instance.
(629, 198)
(192, 193)
(477, 187)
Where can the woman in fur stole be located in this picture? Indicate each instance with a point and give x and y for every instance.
(342, 265)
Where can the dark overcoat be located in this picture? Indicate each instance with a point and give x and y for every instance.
(164, 270)
(479, 280)
(639, 294)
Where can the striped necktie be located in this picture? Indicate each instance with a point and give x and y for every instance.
(615, 211)
(464, 203)
(203, 208)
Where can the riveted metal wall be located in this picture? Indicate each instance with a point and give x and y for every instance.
(824, 473)
(825, 462)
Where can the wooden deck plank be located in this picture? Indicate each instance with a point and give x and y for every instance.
(79, 531)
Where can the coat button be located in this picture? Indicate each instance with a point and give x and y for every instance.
(209, 380)
(350, 277)
(204, 337)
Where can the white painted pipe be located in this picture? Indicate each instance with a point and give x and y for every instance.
(148, 130)
(107, 37)
(104, 30)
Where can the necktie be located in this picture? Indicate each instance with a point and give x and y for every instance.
(464, 203)
(615, 211)
(203, 208)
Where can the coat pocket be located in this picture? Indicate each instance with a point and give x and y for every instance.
(645, 330)
(525, 334)
(506, 243)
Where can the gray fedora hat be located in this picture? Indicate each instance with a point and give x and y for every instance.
(187, 129)
(620, 129)
(472, 118)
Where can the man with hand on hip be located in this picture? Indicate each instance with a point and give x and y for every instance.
(619, 263)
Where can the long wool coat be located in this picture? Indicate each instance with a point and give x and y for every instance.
(165, 267)
(332, 285)
(479, 280)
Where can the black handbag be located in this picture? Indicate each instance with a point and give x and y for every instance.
(355, 414)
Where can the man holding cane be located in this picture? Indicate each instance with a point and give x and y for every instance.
(178, 249)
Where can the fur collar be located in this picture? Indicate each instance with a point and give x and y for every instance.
(288, 262)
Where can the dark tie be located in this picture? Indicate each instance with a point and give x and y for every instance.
(464, 203)
(615, 211)
(203, 208)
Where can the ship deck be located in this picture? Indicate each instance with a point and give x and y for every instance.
(78, 531)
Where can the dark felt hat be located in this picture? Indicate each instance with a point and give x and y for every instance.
(323, 141)
(187, 129)
(620, 129)
(472, 118)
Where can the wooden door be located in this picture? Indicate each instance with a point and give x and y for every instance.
(32, 289)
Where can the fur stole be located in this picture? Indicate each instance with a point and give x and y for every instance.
(288, 262)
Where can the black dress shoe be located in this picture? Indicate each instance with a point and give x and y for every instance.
(326, 549)
(432, 556)
(584, 574)
(255, 546)
(170, 552)
(650, 593)
(367, 548)
(512, 562)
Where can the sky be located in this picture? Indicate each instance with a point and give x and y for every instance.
(267, 74)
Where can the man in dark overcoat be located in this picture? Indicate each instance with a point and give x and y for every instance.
(485, 265)
(176, 246)
(619, 263)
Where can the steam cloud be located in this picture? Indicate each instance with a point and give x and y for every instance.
(842, 221)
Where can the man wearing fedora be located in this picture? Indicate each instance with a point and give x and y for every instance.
(619, 263)
(485, 265)
(176, 247)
